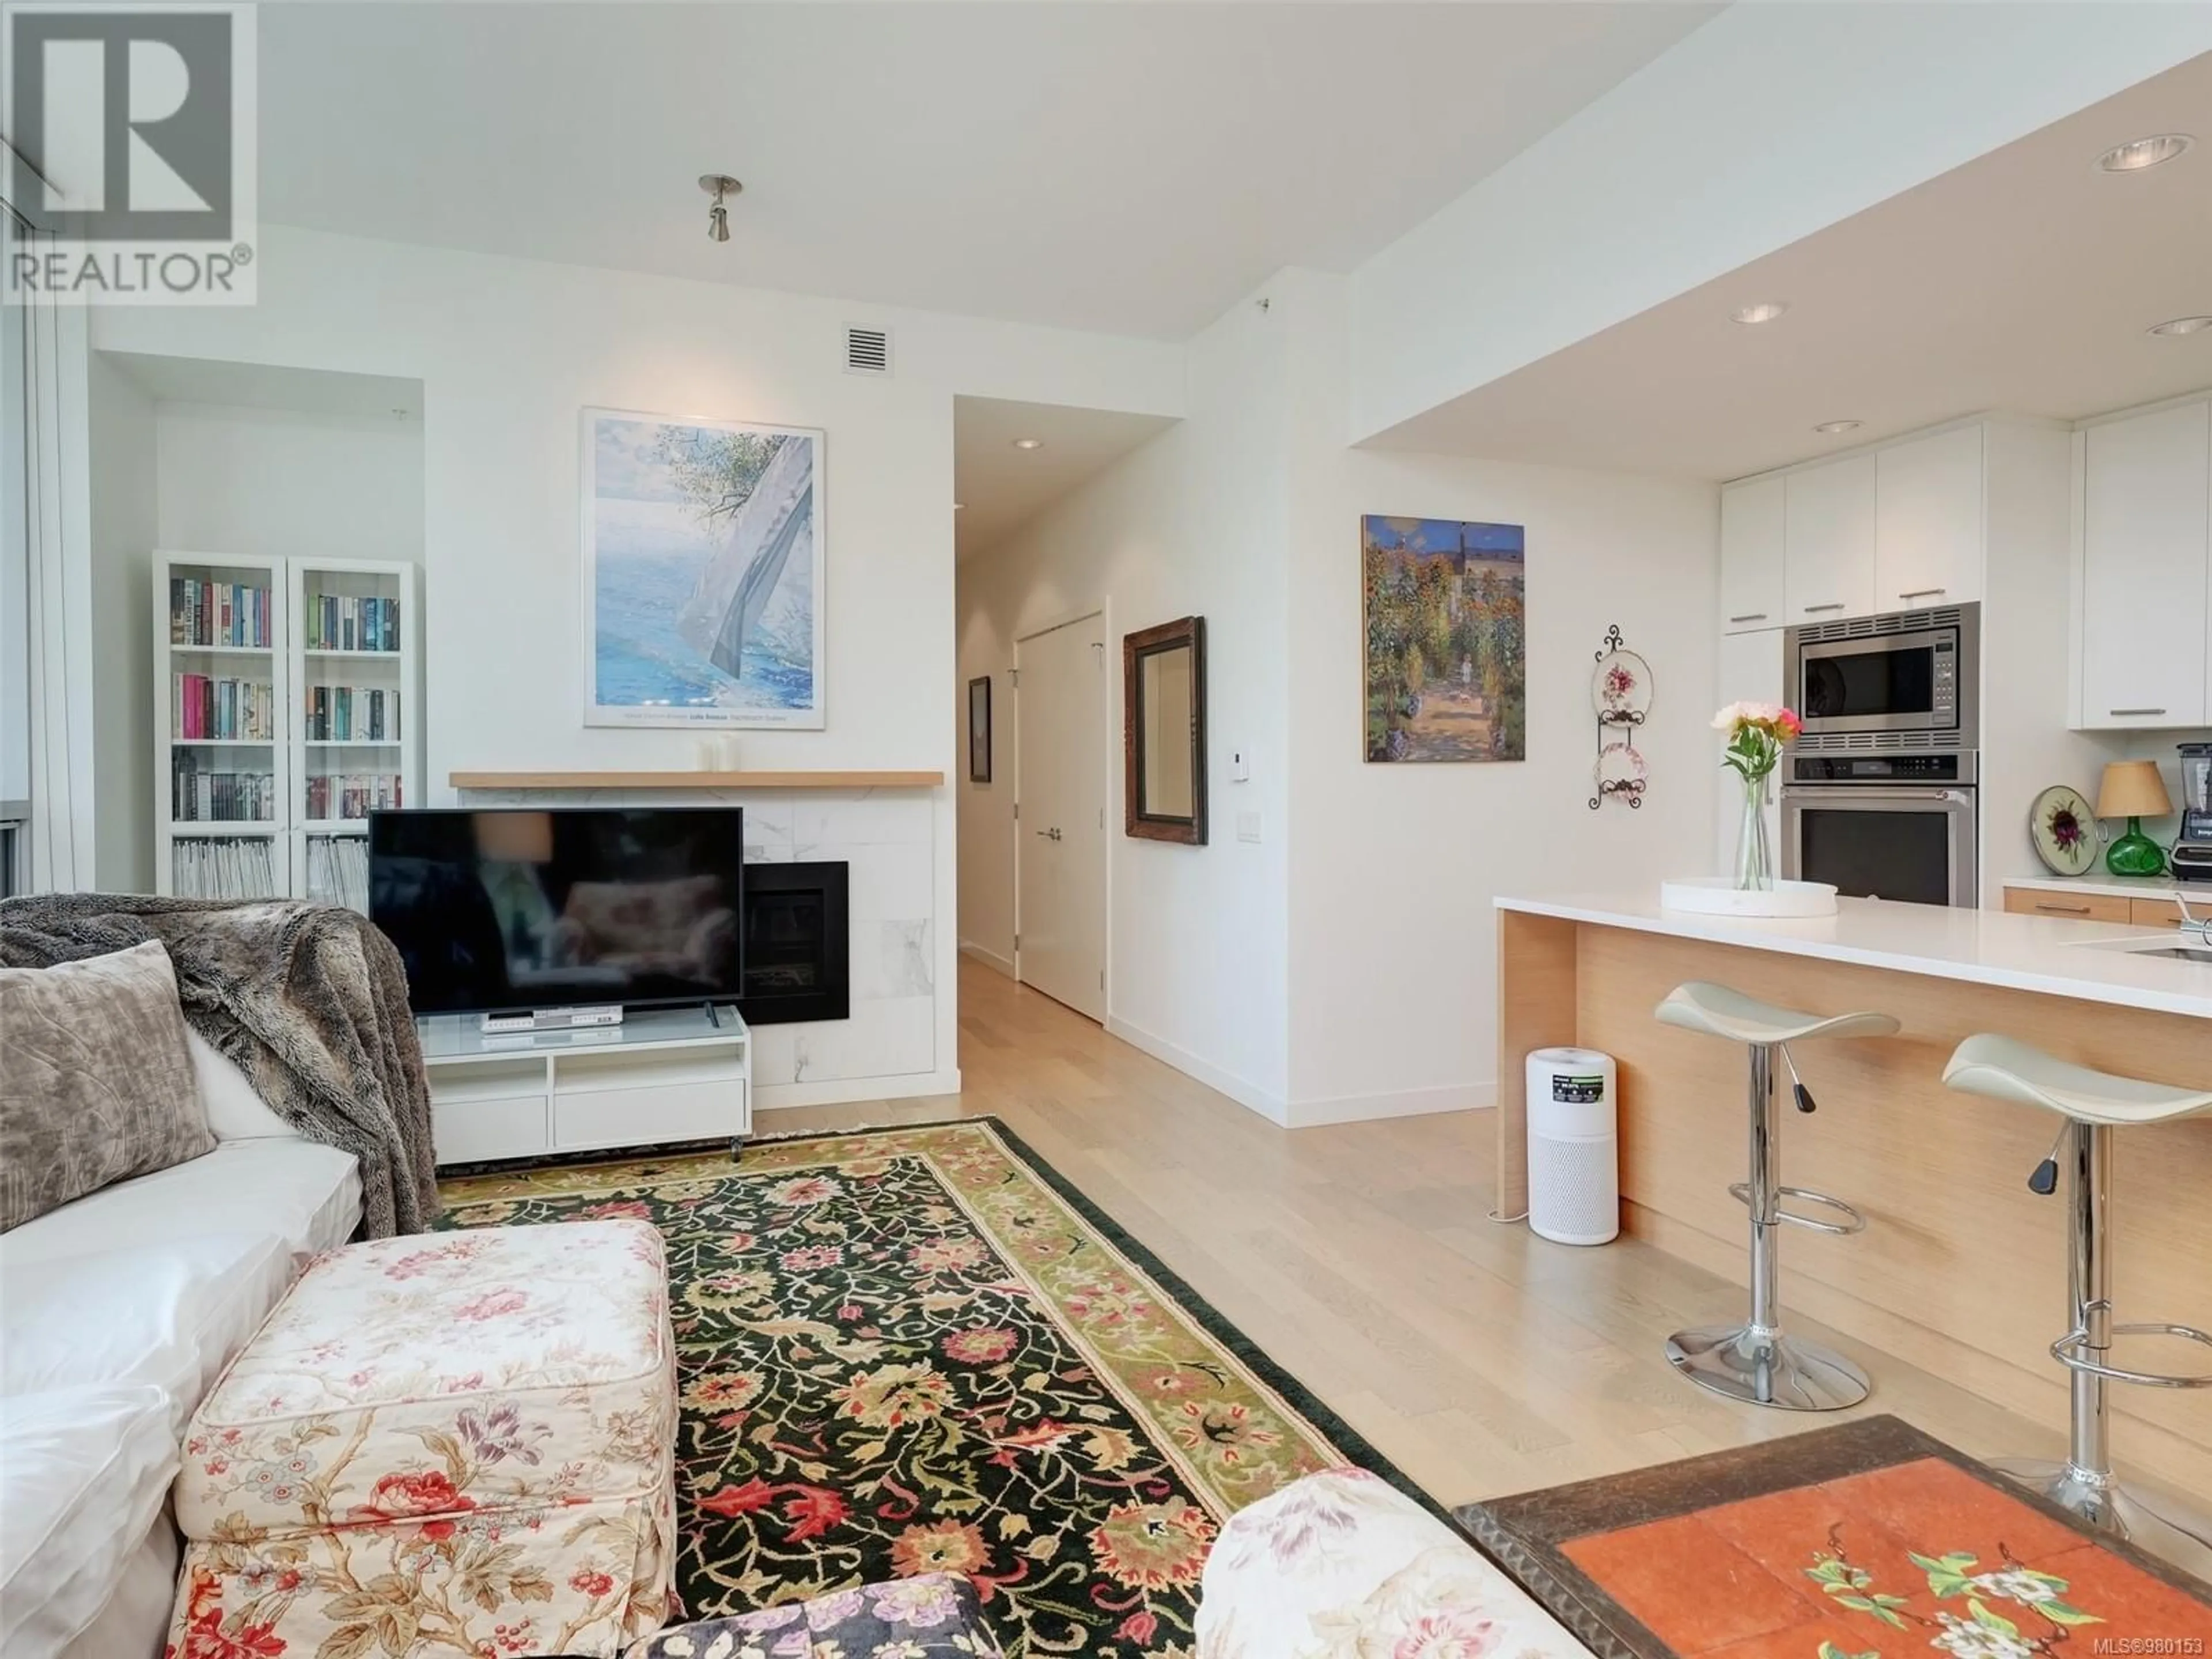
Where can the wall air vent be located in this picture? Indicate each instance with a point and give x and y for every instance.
(867, 350)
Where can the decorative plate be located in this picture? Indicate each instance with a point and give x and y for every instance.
(1620, 687)
(1620, 769)
(2063, 827)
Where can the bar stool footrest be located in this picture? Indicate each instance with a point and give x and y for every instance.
(1853, 1221)
(2068, 1351)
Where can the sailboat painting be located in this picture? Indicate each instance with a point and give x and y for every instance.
(702, 572)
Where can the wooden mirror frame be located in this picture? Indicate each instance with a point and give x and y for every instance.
(1185, 632)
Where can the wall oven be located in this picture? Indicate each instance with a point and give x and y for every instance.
(1906, 680)
(1899, 826)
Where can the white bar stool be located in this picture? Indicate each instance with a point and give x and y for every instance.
(1754, 1362)
(2092, 1102)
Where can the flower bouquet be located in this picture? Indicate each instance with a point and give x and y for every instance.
(1756, 734)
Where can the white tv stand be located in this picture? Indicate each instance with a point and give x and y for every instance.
(664, 1075)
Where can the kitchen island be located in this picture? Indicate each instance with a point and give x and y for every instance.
(1960, 1267)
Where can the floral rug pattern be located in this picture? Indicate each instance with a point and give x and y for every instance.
(904, 1351)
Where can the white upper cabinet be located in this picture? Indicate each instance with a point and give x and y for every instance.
(1927, 521)
(1828, 537)
(2146, 566)
(1751, 556)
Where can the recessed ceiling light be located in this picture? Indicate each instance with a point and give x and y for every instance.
(1029, 443)
(2144, 152)
(1765, 312)
(2181, 325)
(1836, 426)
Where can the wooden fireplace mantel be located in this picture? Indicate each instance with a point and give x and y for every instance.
(695, 780)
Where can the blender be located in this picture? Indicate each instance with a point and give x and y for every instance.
(2193, 852)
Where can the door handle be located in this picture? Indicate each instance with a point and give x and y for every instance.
(1815, 610)
(1922, 592)
(2065, 909)
(1051, 834)
(2124, 713)
(1750, 615)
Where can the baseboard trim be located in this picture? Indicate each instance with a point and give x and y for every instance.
(1249, 1094)
(854, 1091)
(1405, 1102)
(989, 957)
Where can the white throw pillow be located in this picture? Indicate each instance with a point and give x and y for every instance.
(235, 1111)
(83, 1473)
(169, 1314)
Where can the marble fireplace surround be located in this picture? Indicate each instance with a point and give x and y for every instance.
(887, 837)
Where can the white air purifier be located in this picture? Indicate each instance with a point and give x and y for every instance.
(1574, 1146)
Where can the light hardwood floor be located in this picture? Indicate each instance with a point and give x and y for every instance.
(1479, 1358)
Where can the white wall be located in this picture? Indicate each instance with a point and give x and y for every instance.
(1393, 996)
(1767, 123)
(1193, 523)
(1344, 966)
(285, 483)
(509, 351)
(122, 450)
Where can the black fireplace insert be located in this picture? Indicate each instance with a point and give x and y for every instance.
(797, 959)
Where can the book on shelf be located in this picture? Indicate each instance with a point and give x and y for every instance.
(200, 794)
(351, 794)
(202, 706)
(218, 613)
(352, 714)
(337, 870)
(341, 622)
(223, 867)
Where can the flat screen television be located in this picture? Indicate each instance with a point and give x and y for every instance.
(520, 908)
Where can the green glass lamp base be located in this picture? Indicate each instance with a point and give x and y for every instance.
(2135, 853)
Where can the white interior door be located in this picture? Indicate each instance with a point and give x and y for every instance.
(1059, 828)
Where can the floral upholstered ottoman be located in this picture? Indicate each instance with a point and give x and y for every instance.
(450, 1443)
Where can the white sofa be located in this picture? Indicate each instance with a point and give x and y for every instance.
(117, 1312)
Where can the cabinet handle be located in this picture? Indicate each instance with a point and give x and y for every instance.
(1750, 615)
(2125, 712)
(1814, 609)
(1922, 592)
(2066, 910)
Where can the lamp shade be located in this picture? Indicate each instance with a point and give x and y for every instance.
(515, 837)
(2133, 789)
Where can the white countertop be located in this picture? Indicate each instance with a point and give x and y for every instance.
(1982, 947)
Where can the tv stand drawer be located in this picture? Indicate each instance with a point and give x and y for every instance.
(651, 1115)
(482, 1129)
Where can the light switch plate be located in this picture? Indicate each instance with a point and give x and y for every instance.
(1248, 826)
(1240, 768)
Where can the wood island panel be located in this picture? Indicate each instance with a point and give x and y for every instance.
(1960, 1263)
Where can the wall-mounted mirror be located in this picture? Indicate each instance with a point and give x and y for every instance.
(1164, 731)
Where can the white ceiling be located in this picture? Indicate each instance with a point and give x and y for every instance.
(2021, 281)
(1000, 488)
(1131, 169)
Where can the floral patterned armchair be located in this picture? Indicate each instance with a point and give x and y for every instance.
(1343, 1565)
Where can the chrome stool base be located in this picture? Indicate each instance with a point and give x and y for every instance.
(1765, 1368)
(2156, 1525)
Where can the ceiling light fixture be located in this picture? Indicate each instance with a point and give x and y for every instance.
(2180, 326)
(2143, 153)
(1765, 312)
(1029, 443)
(1833, 427)
(719, 186)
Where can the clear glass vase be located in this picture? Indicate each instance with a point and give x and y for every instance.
(1754, 847)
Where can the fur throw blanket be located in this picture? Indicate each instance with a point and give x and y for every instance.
(310, 1001)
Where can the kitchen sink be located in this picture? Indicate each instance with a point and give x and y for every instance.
(2186, 949)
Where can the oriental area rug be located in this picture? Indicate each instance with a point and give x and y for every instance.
(918, 1350)
(1868, 1540)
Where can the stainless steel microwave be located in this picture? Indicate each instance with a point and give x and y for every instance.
(1903, 680)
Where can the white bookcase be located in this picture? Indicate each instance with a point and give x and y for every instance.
(274, 741)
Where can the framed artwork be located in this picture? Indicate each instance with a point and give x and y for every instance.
(979, 729)
(703, 575)
(1447, 646)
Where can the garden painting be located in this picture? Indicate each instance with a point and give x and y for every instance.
(703, 572)
(1447, 640)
